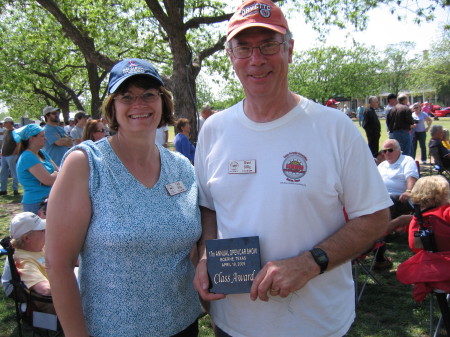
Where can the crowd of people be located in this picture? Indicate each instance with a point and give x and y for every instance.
(136, 217)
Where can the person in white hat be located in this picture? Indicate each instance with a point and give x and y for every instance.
(27, 231)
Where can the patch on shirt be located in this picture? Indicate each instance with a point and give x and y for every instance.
(294, 166)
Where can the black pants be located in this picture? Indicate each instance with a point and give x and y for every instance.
(373, 140)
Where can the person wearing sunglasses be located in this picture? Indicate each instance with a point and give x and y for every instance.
(93, 130)
(399, 174)
(129, 208)
(57, 141)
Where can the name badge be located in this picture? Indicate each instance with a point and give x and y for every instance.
(242, 166)
(176, 188)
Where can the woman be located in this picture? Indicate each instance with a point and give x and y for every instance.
(131, 215)
(93, 130)
(35, 169)
(181, 141)
(432, 195)
(420, 131)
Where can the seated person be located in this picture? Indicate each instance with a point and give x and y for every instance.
(432, 195)
(27, 232)
(399, 173)
(440, 154)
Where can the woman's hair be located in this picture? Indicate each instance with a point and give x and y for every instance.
(180, 123)
(89, 129)
(23, 146)
(143, 82)
(430, 192)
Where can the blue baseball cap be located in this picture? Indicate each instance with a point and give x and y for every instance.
(128, 68)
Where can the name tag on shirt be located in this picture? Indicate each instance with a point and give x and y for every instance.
(176, 188)
(242, 166)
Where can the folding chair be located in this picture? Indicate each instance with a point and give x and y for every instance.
(438, 163)
(31, 308)
(359, 265)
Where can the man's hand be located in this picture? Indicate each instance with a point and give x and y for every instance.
(201, 282)
(282, 277)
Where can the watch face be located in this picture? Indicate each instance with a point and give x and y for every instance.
(322, 258)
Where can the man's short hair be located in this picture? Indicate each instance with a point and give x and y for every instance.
(434, 129)
(372, 98)
(402, 98)
(391, 96)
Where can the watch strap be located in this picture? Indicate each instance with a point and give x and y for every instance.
(321, 258)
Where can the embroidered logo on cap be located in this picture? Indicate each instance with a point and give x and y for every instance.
(264, 10)
(133, 68)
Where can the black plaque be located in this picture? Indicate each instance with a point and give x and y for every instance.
(233, 264)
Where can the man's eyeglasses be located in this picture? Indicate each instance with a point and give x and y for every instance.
(101, 130)
(268, 48)
(147, 97)
(55, 113)
(387, 150)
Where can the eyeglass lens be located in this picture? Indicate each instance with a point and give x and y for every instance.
(387, 150)
(147, 97)
(269, 48)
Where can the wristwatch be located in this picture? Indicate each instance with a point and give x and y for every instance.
(321, 258)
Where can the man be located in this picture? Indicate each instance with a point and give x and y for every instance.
(332, 103)
(371, 124)
(9, 159)
(77, 131)
(70, 125)
(57, 142)
(399, 174)
(28, 233)
(360, 113)
(399, 121)
(264, 169)
(2, 131)
(205, 112)
(392, 101)
(439, 152)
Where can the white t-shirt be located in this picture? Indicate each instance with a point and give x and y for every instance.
(395, 175)
(310, 163)
(160, 137)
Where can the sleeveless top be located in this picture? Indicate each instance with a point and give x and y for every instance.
(135, 275)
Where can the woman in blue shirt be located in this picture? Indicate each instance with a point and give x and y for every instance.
(35, 169)
(181, 141)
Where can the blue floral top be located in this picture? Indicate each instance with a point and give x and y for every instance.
(135, 275)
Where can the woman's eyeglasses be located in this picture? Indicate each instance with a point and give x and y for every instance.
(387, 150)
(147, 97)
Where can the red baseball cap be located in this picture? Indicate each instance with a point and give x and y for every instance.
(257, 13)
(332, 101)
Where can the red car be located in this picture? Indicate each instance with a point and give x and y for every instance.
(445, 112)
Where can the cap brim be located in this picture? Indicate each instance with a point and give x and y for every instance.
(41, 226)
(123, 78)
(236, 31)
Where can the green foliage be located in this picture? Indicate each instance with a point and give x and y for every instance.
(331, 71)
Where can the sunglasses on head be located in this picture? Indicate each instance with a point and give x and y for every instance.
(387, 150)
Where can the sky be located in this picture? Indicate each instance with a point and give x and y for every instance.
(383, 29)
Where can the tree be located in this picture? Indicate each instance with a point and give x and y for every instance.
(398, 61)
(177, 35)
(331, 71)
(432, 69)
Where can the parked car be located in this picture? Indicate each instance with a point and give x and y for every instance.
(445, 112)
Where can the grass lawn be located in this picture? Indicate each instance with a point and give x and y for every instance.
(386, 310)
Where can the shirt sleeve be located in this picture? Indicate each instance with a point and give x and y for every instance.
(30, 273)
(29, 160)
(51, 135)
